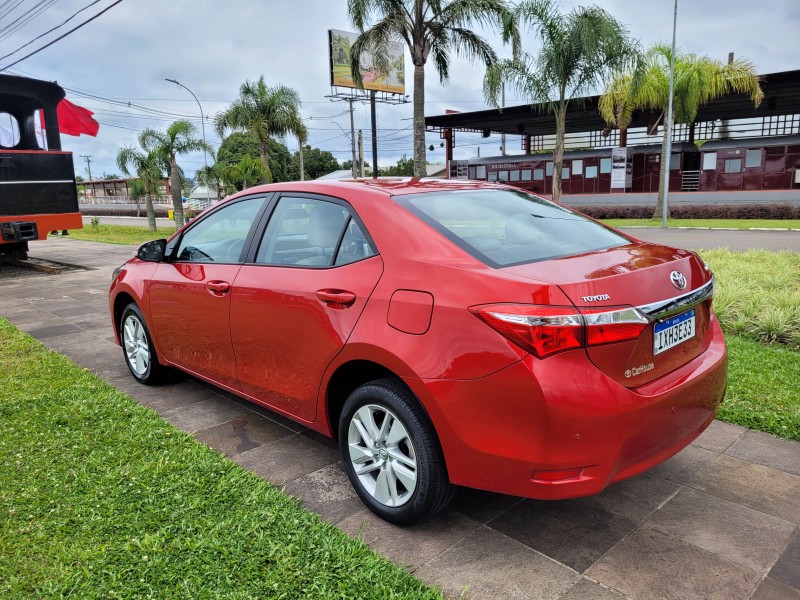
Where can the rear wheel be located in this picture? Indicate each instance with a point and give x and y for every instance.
(391, 453)
(137, 347)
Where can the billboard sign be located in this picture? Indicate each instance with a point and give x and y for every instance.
(621, 169)
(392, 81)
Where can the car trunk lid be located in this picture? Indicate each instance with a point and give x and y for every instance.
(671, 287)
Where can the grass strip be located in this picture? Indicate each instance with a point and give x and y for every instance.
(763, 388)
(119, 234)
(758, 294)
(101, 498)
(709, 223)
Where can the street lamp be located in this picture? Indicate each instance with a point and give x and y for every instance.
(202, 125)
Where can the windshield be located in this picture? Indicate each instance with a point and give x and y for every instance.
(506, 227)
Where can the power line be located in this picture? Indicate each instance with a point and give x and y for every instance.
(25, 18)
(72, 16)
(61, 37)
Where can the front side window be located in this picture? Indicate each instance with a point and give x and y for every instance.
(220, 236)
(312, 233)
(505, 227)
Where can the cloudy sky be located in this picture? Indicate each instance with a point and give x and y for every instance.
(116, 65)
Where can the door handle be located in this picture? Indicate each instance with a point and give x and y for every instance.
(336, 297)
(218, 288)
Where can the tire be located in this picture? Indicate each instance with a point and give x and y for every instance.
(395, 466)
(137, 347)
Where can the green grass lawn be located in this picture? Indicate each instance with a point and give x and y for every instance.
(119, 234)
(758, 294)
(712, 223)
(101, 498)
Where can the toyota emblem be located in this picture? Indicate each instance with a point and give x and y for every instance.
(677, 279)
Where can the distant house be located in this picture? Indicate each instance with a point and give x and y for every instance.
(115, 191)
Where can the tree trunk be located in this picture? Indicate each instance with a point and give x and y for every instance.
(138, 206)
(151, 212)
(420, 168)
(302, 168)
(267, 176)
(175, 190)
(558, 153)
(657, 213)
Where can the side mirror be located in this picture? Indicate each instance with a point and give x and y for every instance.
(152, 251)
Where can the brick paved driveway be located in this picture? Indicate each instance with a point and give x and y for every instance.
(719, 520)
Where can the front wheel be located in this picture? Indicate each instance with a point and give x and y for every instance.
(137, 346)
(391, 453)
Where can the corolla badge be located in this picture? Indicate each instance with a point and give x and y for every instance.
(677, 279)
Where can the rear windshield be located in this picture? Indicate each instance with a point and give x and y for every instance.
(505, 227)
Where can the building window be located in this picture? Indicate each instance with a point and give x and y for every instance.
(565, 173)
(472, 172)
(502, 175)
(675, 161)
(548, 167)
(538, 174)
(526, 174)
(492, 175)
(605, 165)
(753, 158)
(591, 172)
(577, 167)
(480, 172)
(733, 165)
(514, 175)
(709, 161)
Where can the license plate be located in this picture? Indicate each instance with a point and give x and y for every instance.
(673, 331)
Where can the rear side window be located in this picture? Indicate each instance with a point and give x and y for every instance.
(504, 227)
(312, 233)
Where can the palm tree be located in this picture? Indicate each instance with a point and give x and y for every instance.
(430, 28)
(244, 174)
(698, 80)
(578, 50)
(302, 138)
(179, 138)
(211, 176)
(263, 111)
(148, 169)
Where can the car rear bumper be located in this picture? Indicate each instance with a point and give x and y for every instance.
(560, 428)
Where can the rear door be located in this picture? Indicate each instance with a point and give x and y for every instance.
(296, 301)
(190, 296)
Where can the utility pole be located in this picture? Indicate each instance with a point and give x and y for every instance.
(88, 159)
(374, 135)
(360, 153)
(354, 166)
(503, 135)
(669, 120)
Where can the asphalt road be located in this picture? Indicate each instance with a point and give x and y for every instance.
(679, 238)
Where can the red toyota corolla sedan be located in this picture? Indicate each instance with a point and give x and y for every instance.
(447, 333)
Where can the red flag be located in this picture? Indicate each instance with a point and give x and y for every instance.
(76, 120)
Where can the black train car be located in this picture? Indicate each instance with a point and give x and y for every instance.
(37, 180)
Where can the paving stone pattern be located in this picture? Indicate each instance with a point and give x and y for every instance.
(719, 520)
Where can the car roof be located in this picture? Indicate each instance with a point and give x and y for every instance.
(381, 186)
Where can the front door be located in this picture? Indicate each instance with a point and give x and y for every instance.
(190, 297)
(294, 307)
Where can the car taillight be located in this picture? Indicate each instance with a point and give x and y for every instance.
(608, 325)
(546, 330)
